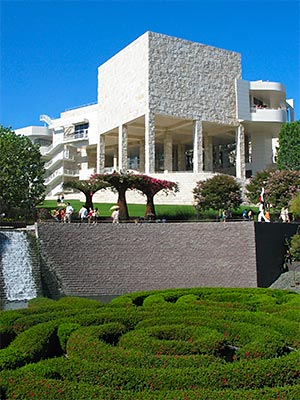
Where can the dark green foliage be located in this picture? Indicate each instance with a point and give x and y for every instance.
(219, 192)
(64, 332)
(288, 154)
(295, 207)
(229, 344)
(22, 174)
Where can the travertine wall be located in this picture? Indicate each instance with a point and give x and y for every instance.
(123, 85)
(106, 259)
(168, 76)
(192, 80)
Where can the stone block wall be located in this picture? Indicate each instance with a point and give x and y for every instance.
(192, 80)
(105, 259)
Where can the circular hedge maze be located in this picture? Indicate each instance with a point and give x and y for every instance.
(182, 344)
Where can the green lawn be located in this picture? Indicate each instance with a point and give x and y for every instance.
(167, 211)
(135, 210)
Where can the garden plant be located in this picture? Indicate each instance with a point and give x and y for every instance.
(179, 344)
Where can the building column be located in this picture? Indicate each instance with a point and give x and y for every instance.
(208, 151)
(100, 154)
(168, 145)
(149, 143)
(115, 158)
(181, 157)
(198, 146)
(123, 143)
(142, 155)
(240, 152)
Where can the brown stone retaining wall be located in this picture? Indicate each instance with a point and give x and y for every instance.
(105, 259)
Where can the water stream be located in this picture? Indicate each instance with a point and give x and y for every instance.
(18, 282)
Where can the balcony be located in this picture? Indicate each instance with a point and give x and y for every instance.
(266, 114)
(59, 173)
(60, 157)
(71, 137)
(80, 134)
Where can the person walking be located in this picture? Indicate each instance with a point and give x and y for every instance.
(83, 213)
(115, 216)
(69, 212)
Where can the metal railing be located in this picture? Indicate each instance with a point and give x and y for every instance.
(60, 172)
(82, 134)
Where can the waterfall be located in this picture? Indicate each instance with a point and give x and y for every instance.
(17, 269)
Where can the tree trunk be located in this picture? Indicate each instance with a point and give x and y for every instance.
(123, 211)
(89, 200)
(150, 209)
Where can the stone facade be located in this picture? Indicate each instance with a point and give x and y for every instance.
(192, 80)
(112, 259)
(123, 85)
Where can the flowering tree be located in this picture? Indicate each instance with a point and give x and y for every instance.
(150, 187)
(219, 192)
(89, 188)
(120, 183)
(280, 187)
(256, 183)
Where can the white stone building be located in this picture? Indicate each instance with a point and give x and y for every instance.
(170, 108)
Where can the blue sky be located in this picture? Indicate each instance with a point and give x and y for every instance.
(50, 51)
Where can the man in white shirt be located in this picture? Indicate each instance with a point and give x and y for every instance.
(83, 213)
(69, 212)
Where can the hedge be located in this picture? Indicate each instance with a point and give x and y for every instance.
(173, 344)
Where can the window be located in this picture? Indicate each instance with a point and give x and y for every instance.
(81, 130)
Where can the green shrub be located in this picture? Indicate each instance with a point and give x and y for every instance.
(36, 343)
(208, 343)
(65, 331)
(154, 300)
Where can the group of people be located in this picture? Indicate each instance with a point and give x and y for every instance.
(63, 215)
(247, 215)
(284, 214)
(91, 215)
(85, 215)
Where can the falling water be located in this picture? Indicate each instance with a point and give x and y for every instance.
(17, 271)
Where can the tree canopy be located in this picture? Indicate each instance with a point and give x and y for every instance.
(22, 173)
(280, 187)
(219, 192)
(150, 187)
(288, 154)
(121, 182)
(257, 182)
(89, 188)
